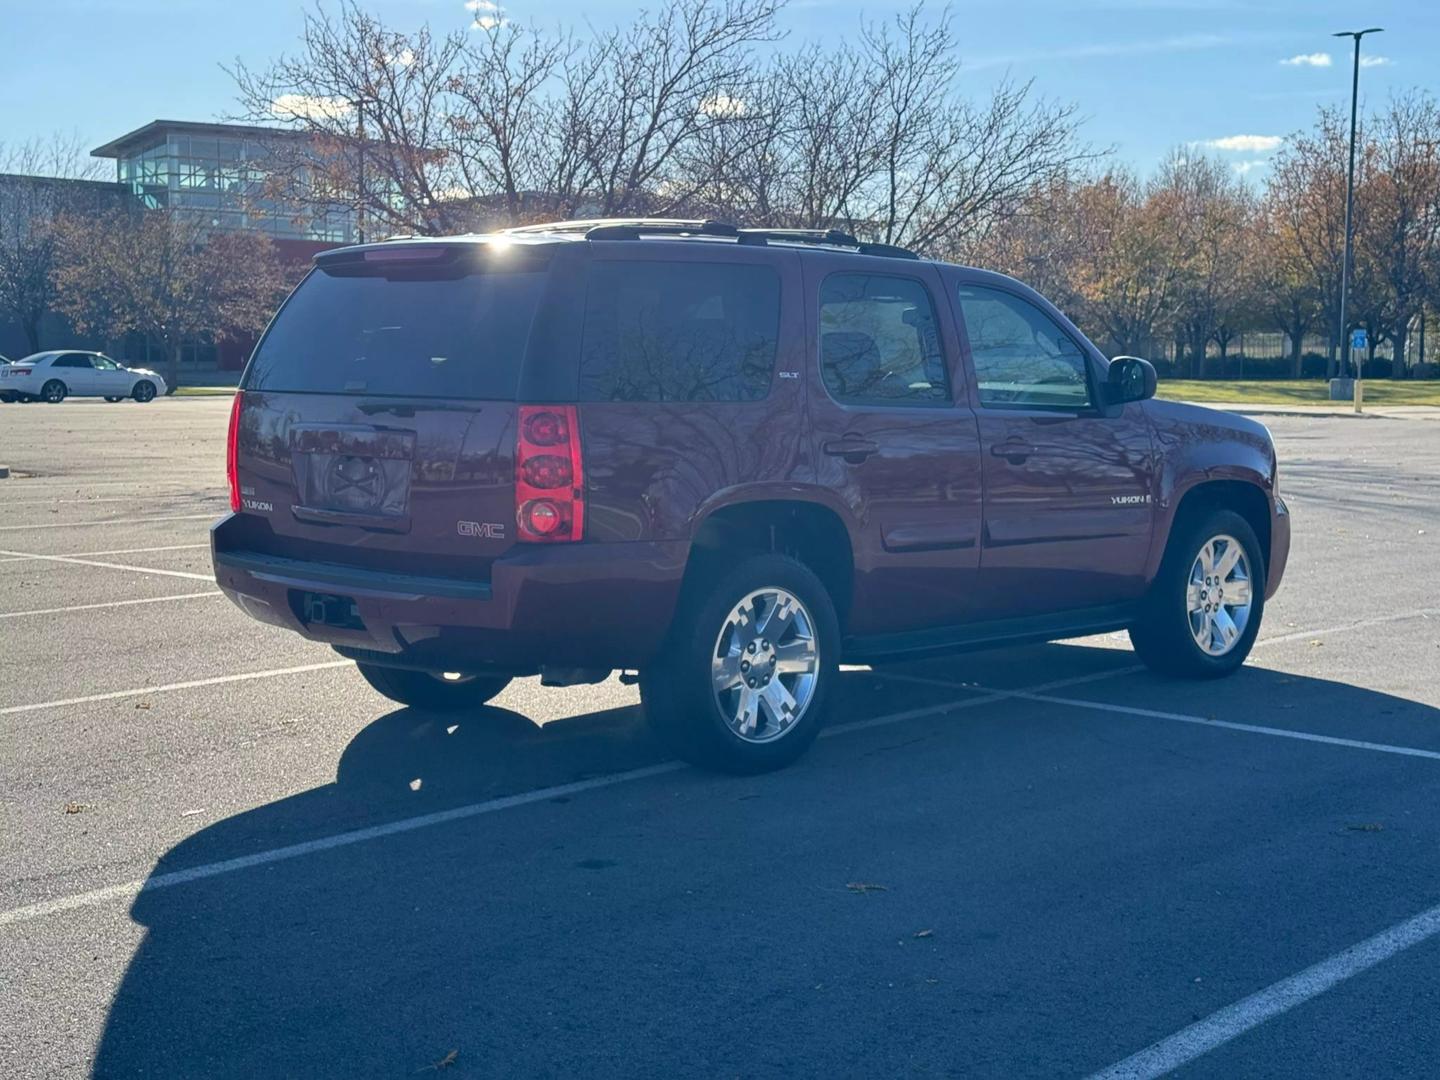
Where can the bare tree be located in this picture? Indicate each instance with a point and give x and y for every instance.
(37, 187)
(1399, 252)
(62, 155)
(506, 133)
(374, 105)
(1211, 211)
(1285, 291)
(637, 99)
(1308, 183)
(163, 274)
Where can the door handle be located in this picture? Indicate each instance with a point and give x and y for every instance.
(852, 448)
(1013, 452)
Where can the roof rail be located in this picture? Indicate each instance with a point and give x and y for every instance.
(635, 228)
(632, 227)
(824, 238)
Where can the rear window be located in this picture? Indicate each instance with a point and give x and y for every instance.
(409, 336)
(676, 331)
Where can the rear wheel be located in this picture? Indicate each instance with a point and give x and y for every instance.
(1205, 606)
(433, 690)
(744, 683)
(144, 391)
(8, 398)
(53, 392)
(113, 399)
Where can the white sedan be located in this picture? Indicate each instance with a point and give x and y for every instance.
(54, 376)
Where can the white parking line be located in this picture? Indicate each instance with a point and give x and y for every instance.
(128, 889)
(1228, 725)
(107, 604)
(109, 565)
(984, 696)
(1379, 620)
(326, 843)
(209, 497)
(1220, 1027)
(109, 521)
(148, 690)
(117, 551)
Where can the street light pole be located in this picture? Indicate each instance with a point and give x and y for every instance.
(1350, 208)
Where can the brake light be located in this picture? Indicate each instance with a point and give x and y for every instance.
(232, 451)
(12, 370)
(549, 474)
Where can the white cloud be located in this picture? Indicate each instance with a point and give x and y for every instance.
(1314, 59)
(306, 107)
(1243, 167)
(1248, 144)
(1375, 61)
(481, 5)
(404, 58)
(488, 22)
(723, 105)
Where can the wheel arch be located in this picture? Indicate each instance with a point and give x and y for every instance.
(1247, 496)
(807, 529)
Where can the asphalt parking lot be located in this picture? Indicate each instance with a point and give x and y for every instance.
(222, 854)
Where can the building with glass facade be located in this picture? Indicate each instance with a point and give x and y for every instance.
(218, 172)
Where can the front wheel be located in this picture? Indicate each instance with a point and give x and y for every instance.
(144, 391)
(53, 392)
(744, 683)
(438, 691)
(1204, 608)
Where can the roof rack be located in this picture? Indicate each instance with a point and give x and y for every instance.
(631, 228)
(635, 228)
(824, 238)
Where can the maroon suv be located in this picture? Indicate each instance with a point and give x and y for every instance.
(728, 459)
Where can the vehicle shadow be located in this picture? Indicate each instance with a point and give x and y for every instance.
(380, 958)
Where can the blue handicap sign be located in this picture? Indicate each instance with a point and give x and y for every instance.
(1357, 339)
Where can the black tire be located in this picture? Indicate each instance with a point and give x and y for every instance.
(679, 700)
(53, 392)
(425, 690)
(144, 391)
(1162, 637)
(112, 400)
(8, 398)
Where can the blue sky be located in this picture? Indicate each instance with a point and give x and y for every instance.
(1147, 74)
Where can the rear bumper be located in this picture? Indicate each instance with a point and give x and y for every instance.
(1279, 546)
(573, 605)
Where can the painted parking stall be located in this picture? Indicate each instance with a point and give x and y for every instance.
(1034, 861)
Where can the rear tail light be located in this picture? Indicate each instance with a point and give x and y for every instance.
(549, 474)
(12, 370)
(232, 451)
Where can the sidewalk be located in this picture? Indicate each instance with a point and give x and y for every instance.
(1333, 408)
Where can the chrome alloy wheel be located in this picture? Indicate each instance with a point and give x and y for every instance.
(766, 665)
(1219, 595)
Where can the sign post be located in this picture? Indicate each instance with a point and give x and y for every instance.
(1358, 342)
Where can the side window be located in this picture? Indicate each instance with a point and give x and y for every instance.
(879, 343)
(72, 360)
(1022, 358)
(676, 331)
(104, 363)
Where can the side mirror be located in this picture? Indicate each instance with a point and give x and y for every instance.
(1130, 379)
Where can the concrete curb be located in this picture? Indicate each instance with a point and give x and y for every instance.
(1371, 412)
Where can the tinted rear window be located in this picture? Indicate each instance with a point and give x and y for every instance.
(452, 337)
(676, 331)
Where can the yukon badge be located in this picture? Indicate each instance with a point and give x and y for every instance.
(1129, 500)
